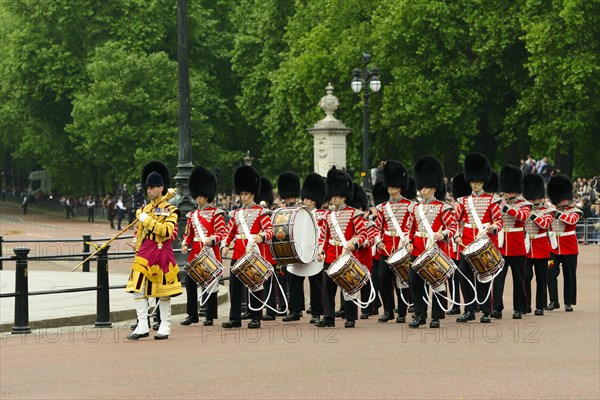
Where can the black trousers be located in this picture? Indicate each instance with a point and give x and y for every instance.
(417, 287)
(455, 284)
(296, 285)
(375, 277)
(517, 267)
(191, 288)
(387, 284)
(569, 264)
(467, 291)
(236, 287)
(275, 300)
(541, 281)
(330, 290)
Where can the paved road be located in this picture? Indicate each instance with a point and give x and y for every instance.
(554, 356)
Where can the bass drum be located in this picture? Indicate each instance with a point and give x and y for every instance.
(295, 235)
(309, 269)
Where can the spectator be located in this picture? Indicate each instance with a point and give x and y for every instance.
(24, 202)
(69, 207)
(91, 208)
(544, 169)
(121, 209)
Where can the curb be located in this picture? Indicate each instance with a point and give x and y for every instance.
(115, 316)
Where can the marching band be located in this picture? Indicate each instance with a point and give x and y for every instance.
(428, 249)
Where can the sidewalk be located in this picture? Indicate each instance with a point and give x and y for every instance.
(67, 309)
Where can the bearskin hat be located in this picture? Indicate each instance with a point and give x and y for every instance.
(511, 179)
(428, 172)
(313, 188)
(339, 183)
(560, 188)
(395, 175)
(492, 186)
(288, 185)
(360, 200)
(203, 182)
(246, 179)
(441, 192)
(266, 192)
(477, 168)
(156, 173)
(411, 191)
(533, 187)
(460, 187)
(380, 194)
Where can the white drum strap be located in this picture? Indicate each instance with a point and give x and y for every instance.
(527, 242)
(198, 227)
(338, 230)
(426, 224)
(388, 208)
(242, 222)
(475, 216)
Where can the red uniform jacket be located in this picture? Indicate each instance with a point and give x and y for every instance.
(258, 219)
(352, 226)
(564, 227)
(512, 235)
(441, 218)
(385, 227)
(212, 222)
(364, 253)
(487, 210)
(536, 232)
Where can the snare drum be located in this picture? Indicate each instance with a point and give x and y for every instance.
(253, 270)
(295, 236)
(399, 262)
(434, 266)
(204, 269)
(349, 274)
(484, 259)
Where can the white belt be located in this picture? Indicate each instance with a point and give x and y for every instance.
(539, 235)
(474, 226)
(391, 233)
(512, 229)
(242, 236)
(197, 239)
(335, 243)
(559, 234)
(421, 234)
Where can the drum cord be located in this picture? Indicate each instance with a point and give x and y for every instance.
(437, 296)
(404, 300)
(209, 289)
(264, 304)
(359, 303)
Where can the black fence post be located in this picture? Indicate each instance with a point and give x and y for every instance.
(22, 292)
(86, 249)
(102, 295)
(1, 245)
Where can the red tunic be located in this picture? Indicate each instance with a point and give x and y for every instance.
(364, 253)
(385, 227)
(487, 209)
(258, 219)
(441, 218)
(536, 232)
(513, 222)
(352, 226)
(564, 227)
(212, 222)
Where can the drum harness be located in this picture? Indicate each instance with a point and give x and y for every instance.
(214, 286)
(347, 297)
(251, 244)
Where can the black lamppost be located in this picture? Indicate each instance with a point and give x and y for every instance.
(370, 79)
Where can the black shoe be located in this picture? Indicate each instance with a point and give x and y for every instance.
(161, 337)
(528, 310)
(155, 326)
(568, 308)
(133, 326)
(349, 324)
(387, 316)
(325, 324)
(246, 315)
(417, 322)
(485, 319)
(269, 317)
(340, 314)
(400, 319)
(231, 324)
(435, 323)
(553, 306)
(466, 317)
(411, 309)
(539, 311)
(136, 336)
(208, 322)
(364, 315)
(292, 316)
(496, 314)
(314, 319)
(454, 311)
(517, 315)
(309, 311)
(188, 321)
(254, 324)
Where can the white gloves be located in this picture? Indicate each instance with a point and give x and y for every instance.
(143, 216)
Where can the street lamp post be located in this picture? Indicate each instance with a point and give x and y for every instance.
(364, 80)
(248, 159)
